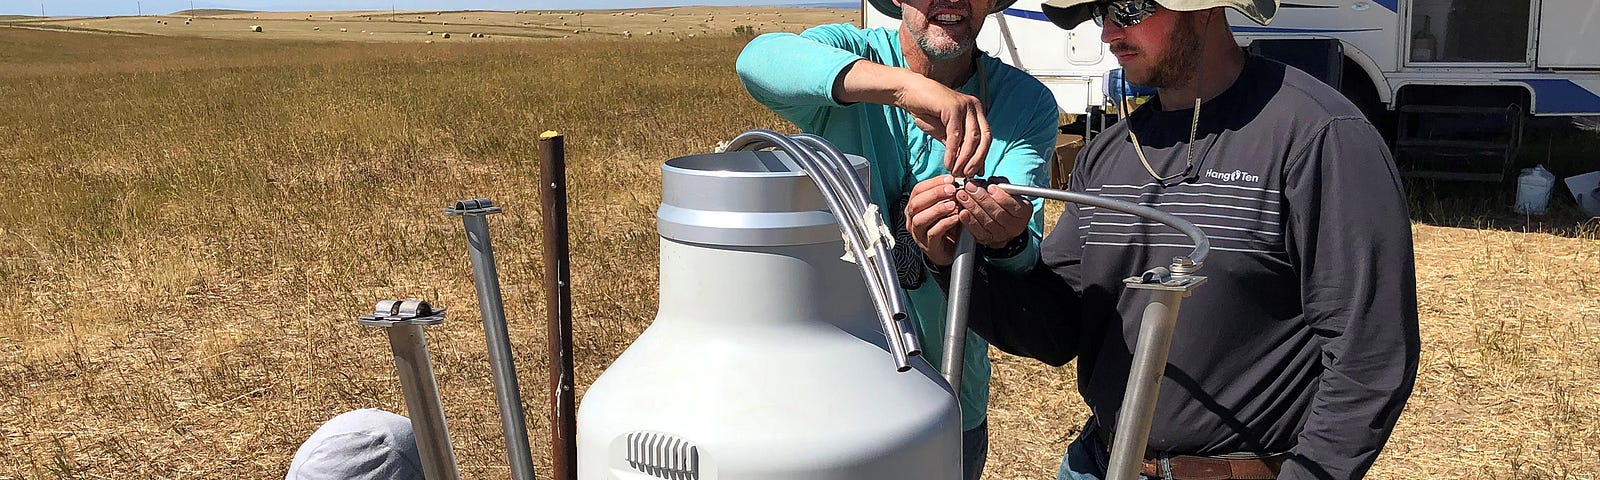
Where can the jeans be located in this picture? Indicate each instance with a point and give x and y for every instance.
(1088, 457)
(974, 451)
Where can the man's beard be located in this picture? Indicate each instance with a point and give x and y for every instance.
(950, 52)
(1176, 68)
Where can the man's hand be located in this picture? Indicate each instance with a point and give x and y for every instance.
(933, 220)
(993, 216)
(954, 118)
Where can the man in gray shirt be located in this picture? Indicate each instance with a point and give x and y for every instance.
(1294, 361)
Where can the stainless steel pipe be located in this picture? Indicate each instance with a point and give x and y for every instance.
(403, 321)
(1144, 384)
(955, 328)
(502, 367)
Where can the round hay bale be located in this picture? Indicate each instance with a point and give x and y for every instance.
(577, 32)
(430, 33)
(446, 35)
(316, 29)
(255, 28)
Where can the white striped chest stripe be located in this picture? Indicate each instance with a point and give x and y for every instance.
(1189, 185)
(1187, 204)
(1185, 194)
(1201, 225)
(1179, 245)
(1083, 218)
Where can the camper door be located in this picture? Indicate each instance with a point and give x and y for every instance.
(1470, 33)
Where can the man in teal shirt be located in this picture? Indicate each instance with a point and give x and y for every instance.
(918, 103)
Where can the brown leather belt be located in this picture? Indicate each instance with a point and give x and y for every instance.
(1187, 467)
(1191, 467)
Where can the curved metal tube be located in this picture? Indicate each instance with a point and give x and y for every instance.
(885, 303)
(841, 168)
(1191, 262)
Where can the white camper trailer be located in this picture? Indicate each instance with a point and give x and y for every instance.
(1544, 50)
(1449, 81)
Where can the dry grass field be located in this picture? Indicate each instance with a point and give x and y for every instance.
(670, 23)
(193, 224)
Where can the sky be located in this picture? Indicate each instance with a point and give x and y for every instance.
(96, 8)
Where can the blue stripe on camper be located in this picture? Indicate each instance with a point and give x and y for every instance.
(1559, 95)
(1392, 5)
(1247, 29)
(1028, 14)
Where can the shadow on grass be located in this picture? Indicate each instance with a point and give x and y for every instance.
(1489, 205)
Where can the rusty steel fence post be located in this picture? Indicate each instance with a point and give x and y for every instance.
(558, 306)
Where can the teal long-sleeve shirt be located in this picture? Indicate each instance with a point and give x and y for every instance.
(794, 75)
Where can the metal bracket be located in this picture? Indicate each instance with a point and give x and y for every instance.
(1160, 278)
(475, 207)
(389, 313)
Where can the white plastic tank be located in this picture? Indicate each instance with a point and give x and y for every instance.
(1533, 190)
(765, 360)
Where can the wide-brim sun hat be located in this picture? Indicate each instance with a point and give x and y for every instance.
(887, 7)
(1068, 14)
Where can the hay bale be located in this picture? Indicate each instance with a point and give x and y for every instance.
(429, 41)
(446, 35)
(255, 28)
(344, 29)
(430, 33)
(316, 29)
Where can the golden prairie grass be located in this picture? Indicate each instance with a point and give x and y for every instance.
(191, 227)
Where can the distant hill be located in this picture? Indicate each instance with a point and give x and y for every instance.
(207, 12)
(839, 5)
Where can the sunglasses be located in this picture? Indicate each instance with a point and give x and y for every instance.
(1124, 13)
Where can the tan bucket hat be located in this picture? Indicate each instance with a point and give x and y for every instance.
(1068, 14)
(887, 7)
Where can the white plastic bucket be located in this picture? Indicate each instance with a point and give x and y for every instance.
(1533, 190)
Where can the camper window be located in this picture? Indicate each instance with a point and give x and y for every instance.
(1469, 31)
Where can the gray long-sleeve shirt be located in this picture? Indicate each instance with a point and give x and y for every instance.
(1305, 338)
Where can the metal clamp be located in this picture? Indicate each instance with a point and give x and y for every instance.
(472, 208)
(389, 313)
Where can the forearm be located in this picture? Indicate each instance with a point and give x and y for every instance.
(868, 82)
